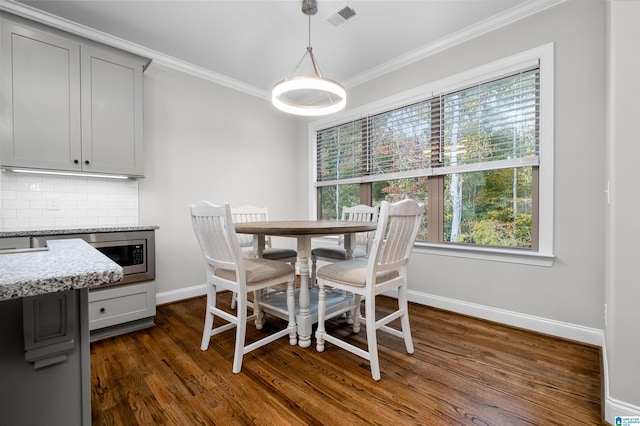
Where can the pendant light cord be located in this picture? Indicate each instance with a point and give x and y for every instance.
(292, 94)
(316, 68)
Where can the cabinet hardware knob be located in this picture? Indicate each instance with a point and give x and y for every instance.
(75, 161)
(102, 310)
(86, 161)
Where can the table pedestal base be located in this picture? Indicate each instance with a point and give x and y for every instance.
(276, 305)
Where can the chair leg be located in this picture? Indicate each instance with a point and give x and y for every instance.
(208, 319)
(356, 314)
(257, 309)
(403, 305)
(348, 316)
(241, 330)
(372, 341)
(291, 308)
(234, 298)
(322, 305)
(206, 333)
(314, 260)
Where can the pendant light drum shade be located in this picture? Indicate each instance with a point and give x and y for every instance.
(305, 91)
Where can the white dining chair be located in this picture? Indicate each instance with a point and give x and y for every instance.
(228, 269)
(360, 213)
(384, 270)
(249, 213)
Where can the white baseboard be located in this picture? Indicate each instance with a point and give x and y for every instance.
(180, 294)
(555, 328)
(542, 325)
(614, 408)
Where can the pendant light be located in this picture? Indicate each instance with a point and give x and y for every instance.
(306, 91)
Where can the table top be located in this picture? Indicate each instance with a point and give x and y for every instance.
(291, 228)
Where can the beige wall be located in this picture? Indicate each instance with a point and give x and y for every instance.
(623, 227)
(205, 141)
(571, 291)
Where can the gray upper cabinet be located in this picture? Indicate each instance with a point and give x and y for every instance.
(111, 85)
(41, 93)
(69, 104)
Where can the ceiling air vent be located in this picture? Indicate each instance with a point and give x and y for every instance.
(344, 14)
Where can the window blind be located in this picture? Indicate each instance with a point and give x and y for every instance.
(488, 126)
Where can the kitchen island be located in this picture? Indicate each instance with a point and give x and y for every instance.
(44, 332)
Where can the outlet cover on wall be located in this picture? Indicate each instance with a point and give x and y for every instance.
(53, 202)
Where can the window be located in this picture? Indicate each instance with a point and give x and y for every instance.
(473, 153)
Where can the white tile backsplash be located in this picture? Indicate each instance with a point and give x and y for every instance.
(81, 201)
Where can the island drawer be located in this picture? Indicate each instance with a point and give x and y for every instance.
(115, 305)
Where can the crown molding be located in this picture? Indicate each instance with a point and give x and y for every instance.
(46, 18)
(505, 18)
(483, 27)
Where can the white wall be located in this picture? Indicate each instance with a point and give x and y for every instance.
(205, 141)
(623, 225)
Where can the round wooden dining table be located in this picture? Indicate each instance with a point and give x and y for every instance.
(303, 231)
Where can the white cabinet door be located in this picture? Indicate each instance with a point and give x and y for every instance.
(111, 112)
(41, 99)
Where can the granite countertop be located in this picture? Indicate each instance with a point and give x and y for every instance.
(65, 265)
(29, 232)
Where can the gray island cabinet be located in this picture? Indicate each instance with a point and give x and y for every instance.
(44, 332)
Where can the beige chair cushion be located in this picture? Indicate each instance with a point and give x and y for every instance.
(337, 253)
(258, 270)
(353, 272)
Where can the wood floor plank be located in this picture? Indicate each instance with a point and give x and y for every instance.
(464, 371)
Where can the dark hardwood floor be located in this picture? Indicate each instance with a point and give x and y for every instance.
(464, 371)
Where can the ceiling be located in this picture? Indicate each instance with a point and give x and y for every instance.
(251, 45)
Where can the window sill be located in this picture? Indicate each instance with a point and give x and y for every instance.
(469, 252)
(485, 253)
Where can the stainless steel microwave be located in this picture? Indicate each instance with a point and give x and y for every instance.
(134, 251)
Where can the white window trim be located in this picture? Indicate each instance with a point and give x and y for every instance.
(544, 56)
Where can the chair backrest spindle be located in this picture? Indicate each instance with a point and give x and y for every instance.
(244, 214)
(398, 227)
(360, 213)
